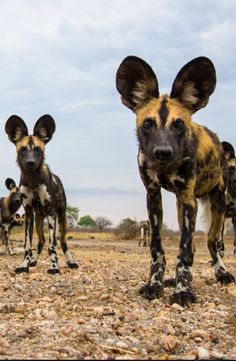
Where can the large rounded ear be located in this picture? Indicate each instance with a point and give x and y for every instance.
(194, 83)
(44, 128)
(136, 82)
(15, 128)
(228, 150)
(10, 183)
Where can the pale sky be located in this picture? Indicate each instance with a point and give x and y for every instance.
(61, 56)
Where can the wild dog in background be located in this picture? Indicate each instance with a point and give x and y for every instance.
(43, 192)
(144, 233)
(18, 220)
(181, 156)
(231, 188)
(8, 207)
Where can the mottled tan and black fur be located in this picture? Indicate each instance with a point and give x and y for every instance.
(43, 192)
(181, 156)
(9, 205)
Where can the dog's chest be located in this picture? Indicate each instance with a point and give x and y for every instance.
(154, 178)
(37, 198)
(171, 182)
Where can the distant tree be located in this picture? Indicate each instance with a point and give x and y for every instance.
(72, 214)
(102, 222)
(87, 221)
(127, 229)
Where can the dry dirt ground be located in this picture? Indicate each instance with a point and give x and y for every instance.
(96, 312)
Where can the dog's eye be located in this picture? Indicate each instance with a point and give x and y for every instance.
(179, 124)
(37, 150)
(23, 150)
(148, 123)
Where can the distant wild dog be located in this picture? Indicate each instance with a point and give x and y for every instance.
(18, 220)
(144, 233)
(181, 156)
(231, 188)
(43, 192)
(8, 207)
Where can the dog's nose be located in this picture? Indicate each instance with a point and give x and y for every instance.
(163, 153)
(30, 164)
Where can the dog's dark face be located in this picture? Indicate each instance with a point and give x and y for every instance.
(30, 148)
(231, 161)
(164, 122)
(15, 194)
(162, 131)
(30, 153)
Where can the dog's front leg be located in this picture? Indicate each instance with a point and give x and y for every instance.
(52, 249)
(6, 238)
(39, 225)
(183, 293)
(154, 288)
(29, 226)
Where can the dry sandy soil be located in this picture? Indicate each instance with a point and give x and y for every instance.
(96, 312)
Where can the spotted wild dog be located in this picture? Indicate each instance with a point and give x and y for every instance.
(43, 192)
(231, 188)
(144, 233)
(181, 156)
(18, 220)
(8, 207)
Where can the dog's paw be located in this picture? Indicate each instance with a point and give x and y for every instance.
(72, 264)
(151, 291)
(169, 282)
(33, 263)
(183, 298)
(53, 271)
(22, 270)
(224, 277)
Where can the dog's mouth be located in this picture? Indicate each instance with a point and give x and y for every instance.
(17, 202)
(31, 166)
(165, 161)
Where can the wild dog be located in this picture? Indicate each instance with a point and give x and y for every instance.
(181, 156)
(231, 189)
(43, 192)
(18, 220)
(9, 206)
(144, 233)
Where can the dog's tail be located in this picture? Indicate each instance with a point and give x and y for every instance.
(206, 215)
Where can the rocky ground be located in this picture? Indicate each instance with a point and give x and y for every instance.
(95, 312)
